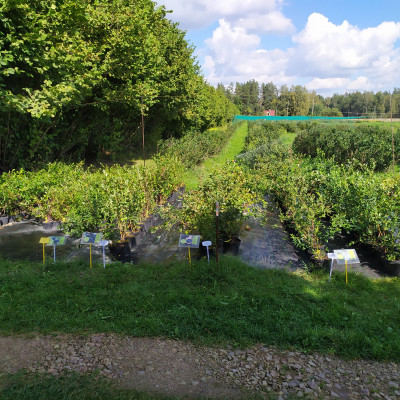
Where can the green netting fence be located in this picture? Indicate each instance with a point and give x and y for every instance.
(294, 118)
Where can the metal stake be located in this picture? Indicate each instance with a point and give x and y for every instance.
(217, 228)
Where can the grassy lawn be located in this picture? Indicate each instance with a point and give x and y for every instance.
(234, 146)
(288, 138)
(23, 386)
(233, 304)
(72, 386)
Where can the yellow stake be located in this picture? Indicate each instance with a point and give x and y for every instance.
(90, 246)
(44, 240)
(190, 260)
(346, 272)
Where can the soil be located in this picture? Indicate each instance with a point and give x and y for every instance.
(187, 370)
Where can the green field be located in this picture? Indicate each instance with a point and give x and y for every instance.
(234, 146)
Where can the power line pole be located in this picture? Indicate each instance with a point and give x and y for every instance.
(312, 112)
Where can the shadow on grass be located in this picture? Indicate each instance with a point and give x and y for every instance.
(208, 304)
(26, 386)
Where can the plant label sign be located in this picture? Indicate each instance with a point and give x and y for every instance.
(44, 240)
(348, 255)
(57, 241)
(207, 244)
(189, 241)
(103, 244)
(332, 256)
(91, 238)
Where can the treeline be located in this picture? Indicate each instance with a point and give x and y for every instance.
(253, 98)
(75, 77)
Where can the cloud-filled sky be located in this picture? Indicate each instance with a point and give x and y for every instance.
(330, 46)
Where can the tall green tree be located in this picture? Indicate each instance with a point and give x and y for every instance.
(269, 94)
(247, 98)
(75, 76)
(293, 101)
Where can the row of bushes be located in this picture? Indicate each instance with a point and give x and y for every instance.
(195, 147)
(233, 187)
(112, 200)
(320, 197)
(367, 143)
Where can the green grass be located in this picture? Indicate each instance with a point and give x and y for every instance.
(72, 386)
(23, 386)
(288, 138)
(233, 304)
(234, 146)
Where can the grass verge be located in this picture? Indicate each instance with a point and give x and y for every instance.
(72, 386)
(231, 303)
(24, 386)
(234, 146)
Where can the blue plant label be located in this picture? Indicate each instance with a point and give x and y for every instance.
(57, 241)
(91, 238)
(192, 241)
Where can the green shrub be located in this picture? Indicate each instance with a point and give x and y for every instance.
(112, 200)
(22, 191)
(233, 188)
(320, 198)
(369, 144)
(195, 147)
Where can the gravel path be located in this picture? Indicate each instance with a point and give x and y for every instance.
(183, 369)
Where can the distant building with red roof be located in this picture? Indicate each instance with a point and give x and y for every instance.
(269, 113)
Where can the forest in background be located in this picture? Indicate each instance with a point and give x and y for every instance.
(76, 75)
(252, 98)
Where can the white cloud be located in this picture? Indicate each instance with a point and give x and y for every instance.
(330, 57)
(326, 49)
(235, 55)
(254, 15)
(273, 22)
(345, 57)
(361, 83)
(328, 84)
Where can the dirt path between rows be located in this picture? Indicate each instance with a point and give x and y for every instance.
(185, 370)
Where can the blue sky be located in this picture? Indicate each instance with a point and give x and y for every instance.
(330, 46)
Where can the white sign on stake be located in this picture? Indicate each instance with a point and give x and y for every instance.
(207, 244)
(332, 257)
(103, 244)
